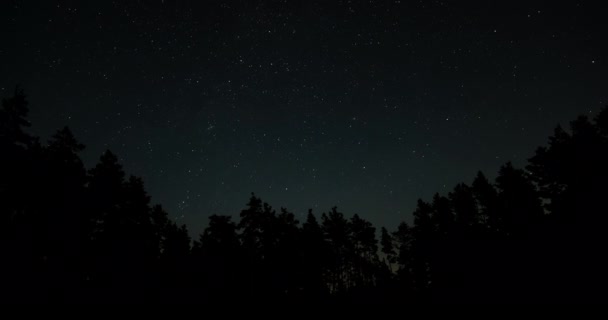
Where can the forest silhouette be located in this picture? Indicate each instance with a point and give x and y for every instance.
(72, 235)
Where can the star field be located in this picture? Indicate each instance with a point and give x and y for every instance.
(367, 105)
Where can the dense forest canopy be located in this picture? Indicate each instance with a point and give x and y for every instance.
(75, 234)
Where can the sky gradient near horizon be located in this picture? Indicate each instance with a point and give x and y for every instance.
(365, 105)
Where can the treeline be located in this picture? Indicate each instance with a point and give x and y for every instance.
(68, 234)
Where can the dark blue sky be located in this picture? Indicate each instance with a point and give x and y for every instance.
(309, 104)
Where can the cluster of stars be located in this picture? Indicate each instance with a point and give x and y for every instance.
(369, 105)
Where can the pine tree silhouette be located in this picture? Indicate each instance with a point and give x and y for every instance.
(68, 234)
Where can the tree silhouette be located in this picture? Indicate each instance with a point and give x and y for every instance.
(221, 258)
(60, 225)
(423, 235)
(465, 206)
(337, 233)
(388, 248)
(486, 198)
(315, 257)
(15, 163)
(13, 121)
(365, 253)
(404, 242)
(72, 235)
(571, 174)
(520, 206)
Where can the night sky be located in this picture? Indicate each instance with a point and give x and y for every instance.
(367, 105)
